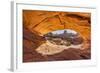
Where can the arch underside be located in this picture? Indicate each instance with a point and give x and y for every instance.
(44, 22)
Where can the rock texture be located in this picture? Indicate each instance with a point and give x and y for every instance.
(46, 21)
(38, 23)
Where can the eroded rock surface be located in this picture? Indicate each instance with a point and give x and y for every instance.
(38, 23)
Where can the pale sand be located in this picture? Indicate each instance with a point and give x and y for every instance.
(50, 49)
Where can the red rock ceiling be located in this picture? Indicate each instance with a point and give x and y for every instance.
(43, 22)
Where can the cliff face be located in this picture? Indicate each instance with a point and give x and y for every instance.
(38, 23)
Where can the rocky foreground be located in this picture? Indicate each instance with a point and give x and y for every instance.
(34, 51)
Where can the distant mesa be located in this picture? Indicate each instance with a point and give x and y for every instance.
(66, 36)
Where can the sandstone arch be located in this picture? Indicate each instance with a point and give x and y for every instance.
(46, 21)
(37, 23)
